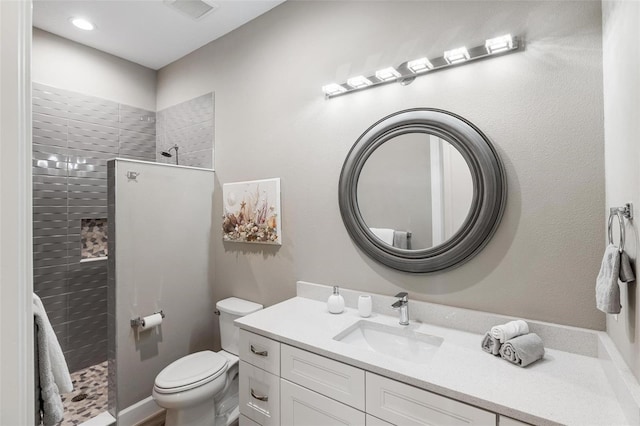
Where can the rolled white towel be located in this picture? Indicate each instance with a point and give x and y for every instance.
(509, 330)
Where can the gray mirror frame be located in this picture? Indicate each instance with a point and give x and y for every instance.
(489, 190)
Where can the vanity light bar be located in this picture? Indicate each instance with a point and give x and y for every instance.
(455, 56)
(406, 72)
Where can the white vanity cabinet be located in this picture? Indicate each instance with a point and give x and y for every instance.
(315, 390)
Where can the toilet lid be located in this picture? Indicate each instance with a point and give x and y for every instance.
(191, 371)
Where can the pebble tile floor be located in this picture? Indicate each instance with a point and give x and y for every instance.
(92, 382)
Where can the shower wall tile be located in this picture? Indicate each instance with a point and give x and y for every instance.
(74, 136)
(136, 145)
(90, 109)
(49, 101)
(137, 120)
(49, 130)
(190, 125)
(202, 159)
(92, 137)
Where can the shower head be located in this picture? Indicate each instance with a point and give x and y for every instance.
(168, 154)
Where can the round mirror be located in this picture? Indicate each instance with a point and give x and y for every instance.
(426, 186)
(422, 190)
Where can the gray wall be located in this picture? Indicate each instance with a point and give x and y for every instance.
(542, 108)
(160, 247)
(63, 63)
(73, 137)
(621, 58)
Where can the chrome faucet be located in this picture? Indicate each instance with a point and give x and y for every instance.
(403, 305)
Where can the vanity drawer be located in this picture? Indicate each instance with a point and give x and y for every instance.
(260, 351)
(334, 379)
(259, 395)
(303, 407)
(403, 404)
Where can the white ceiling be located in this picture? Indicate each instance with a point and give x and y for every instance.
(147, 32)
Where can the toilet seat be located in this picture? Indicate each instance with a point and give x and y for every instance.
(190, 372)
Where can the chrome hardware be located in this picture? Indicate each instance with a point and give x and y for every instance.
(403, 305)
(217, 312)
(264, 398)
(259, 353)
(132, 176)
(137, 322)
(620, 212)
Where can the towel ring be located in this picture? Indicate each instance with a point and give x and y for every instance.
(615, 212)
(623, 212)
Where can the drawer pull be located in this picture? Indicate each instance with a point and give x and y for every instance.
(259, 353)
(264, 398)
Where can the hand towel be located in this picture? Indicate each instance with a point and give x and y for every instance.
(509, 330)
(523, 350)
(490, 344)
(385, 234)
(626, 271)
(54, 373)
(400, 239)
(607, 288)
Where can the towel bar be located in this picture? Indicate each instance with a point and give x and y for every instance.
(621, 212)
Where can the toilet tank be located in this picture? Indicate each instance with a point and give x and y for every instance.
(230, 309)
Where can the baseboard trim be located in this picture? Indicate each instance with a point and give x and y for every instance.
(139, 412)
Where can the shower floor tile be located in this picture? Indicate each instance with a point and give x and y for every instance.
(91, 383)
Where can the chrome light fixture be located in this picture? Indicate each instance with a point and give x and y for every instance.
(455, 56)
(406, 72)
(387, 74)
(419, 65)
(359, 82)
(499, 44)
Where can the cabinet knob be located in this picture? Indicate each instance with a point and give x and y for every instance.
(264, 398)
(259, 353)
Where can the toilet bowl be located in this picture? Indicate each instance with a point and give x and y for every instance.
(201, 389)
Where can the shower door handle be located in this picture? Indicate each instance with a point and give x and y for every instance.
(259, 353)
(263, 398)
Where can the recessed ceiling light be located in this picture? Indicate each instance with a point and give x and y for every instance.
(82, 23)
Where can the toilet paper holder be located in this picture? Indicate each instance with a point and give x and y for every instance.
(137, 322)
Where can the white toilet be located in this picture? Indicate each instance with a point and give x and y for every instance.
(201, 389)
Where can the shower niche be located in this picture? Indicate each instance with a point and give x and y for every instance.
(93, 239)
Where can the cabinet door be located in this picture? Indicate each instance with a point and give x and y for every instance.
(331, 378)
(246, 421)
(303, 407)
(508, 421)
(260, 351)
(374, 421)
(406, 405)
(259, 395)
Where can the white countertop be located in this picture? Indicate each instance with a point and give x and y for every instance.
(562, 388)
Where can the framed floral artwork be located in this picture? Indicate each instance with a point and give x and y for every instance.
(252, 212)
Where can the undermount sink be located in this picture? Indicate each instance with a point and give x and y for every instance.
(397, 341)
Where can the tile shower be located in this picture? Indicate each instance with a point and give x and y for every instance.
(74, 135)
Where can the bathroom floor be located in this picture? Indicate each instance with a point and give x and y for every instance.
(89, 396)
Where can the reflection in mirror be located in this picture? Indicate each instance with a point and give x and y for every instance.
(415, 191)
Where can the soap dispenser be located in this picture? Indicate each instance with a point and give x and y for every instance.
(335, 304)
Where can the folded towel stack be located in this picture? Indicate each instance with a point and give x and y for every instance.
(523, 350)
(513, 342)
